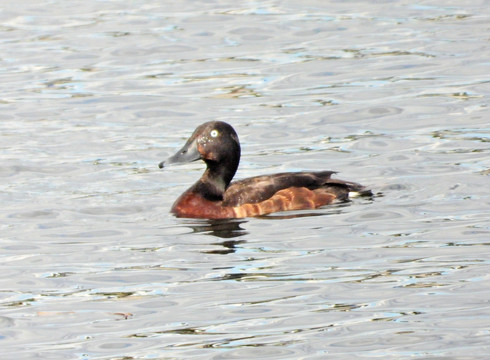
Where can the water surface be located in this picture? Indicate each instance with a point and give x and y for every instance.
(94, 94)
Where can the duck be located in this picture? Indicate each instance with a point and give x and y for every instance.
(215, 196)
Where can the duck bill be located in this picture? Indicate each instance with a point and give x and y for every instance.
(187, 154)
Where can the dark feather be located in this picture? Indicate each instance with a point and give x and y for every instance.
(259, 188)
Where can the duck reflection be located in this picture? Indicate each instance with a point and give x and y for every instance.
(224, 229)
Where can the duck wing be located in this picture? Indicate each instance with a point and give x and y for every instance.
(259, 188)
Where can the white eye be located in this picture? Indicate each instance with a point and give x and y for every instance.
(214, 133)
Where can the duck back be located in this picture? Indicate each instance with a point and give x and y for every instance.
(259, 188)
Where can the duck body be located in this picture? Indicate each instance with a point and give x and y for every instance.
(214, 196)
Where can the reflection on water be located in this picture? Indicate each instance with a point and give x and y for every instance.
(229, 247)
(225, 228)
(389, 94)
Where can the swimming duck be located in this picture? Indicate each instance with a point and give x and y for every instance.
(214, 196)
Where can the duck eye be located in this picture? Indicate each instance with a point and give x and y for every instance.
(214, 133)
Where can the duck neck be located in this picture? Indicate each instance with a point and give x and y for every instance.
(215, 180)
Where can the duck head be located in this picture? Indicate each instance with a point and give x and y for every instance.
(217, 144)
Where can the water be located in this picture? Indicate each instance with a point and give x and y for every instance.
(393, 95)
